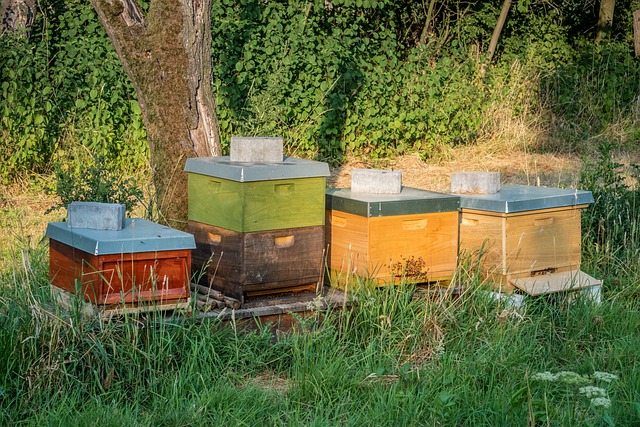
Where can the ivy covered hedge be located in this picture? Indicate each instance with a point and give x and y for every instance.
(332, 77)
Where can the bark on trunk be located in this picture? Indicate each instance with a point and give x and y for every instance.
(17, 15)
(427, 22)
(636, 32)
(167, 55)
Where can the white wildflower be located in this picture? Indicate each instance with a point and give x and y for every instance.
(601, 402)
(544, 376)
(569, 377)
(316, 304)
(592, 391)
(604, 376)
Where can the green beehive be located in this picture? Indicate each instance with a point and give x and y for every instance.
(249, 197)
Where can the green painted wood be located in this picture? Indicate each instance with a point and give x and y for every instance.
(257, 205)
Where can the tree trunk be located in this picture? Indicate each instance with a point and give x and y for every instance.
(167, 55)
(636, 32)
(605, 19)
(496, 32)
(427, 22)
(17, 15)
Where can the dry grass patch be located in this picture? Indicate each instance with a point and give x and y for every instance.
(23, 221)
(516, 167)
(268, 381)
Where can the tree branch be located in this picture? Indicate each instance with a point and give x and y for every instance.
(496, 32)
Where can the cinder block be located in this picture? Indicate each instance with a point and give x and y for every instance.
(475, 182)
(376, 181)
(96, 216)
(256, 149)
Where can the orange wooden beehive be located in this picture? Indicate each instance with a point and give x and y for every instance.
(385, 237)
(142, 263)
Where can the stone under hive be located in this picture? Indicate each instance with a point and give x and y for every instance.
(258, 226)
(410, 234)
(527, 237)
(143, 262)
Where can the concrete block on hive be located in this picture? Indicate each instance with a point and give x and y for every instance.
(256, 149)
(375, 181)
(475, 182)
(96, 216)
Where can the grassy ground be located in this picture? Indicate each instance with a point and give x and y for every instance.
(390, 360)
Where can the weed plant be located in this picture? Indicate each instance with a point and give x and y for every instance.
(611, 232)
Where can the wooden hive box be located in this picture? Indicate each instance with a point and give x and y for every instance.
(249, 197)
(143, 263)
(411, 235)
(528, 237)
(242, 265)
(259, 227)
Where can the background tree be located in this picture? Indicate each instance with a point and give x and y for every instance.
(166, 51)
(16, 14)
(605, 19)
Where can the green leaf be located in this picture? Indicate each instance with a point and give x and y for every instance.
(135, 107)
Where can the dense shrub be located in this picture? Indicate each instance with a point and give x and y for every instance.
(64, 88)
(368, 77)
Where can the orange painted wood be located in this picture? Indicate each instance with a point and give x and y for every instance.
(116, 278)
(386, 247)
(524, 242)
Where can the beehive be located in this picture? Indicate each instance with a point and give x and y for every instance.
(528, 237)
(250, 264)
(259, 227)
(411, 235)
(248, 197)
(143, 262)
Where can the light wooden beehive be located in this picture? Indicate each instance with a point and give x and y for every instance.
(528, 237)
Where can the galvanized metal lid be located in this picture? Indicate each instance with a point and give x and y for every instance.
(520, 198)
(138, 235)
(289, 168)
(409, 201)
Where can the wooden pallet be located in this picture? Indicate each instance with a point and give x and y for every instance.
(555, 282)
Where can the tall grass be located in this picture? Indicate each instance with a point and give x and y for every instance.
(391, 359)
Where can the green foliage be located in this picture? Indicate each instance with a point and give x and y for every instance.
(64, 87)
(339, 79)
(333, 78)
(96, 181)
(26, 103)
(611, 227)
(597, 89)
